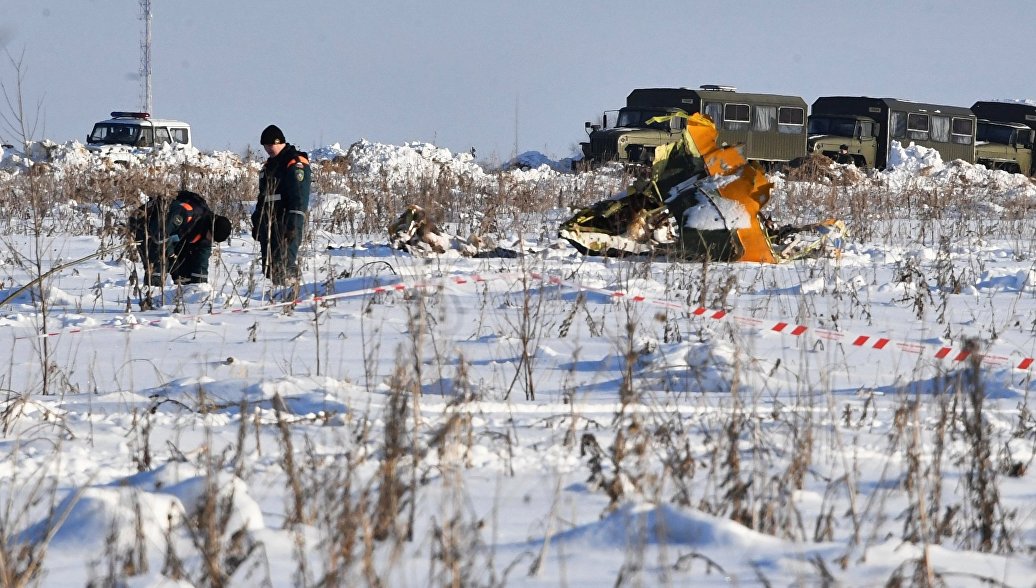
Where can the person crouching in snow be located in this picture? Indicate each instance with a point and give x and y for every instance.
(175, 237)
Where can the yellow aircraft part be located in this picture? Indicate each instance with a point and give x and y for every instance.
(749, 187)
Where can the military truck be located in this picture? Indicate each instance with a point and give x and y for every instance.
(1003, 144)
(770, 127)
(868, 126)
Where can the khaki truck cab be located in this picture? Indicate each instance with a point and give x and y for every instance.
(878, 122)
(999, 147)
(827, 133)
(633, 139)
(771, 128)
(1005, 145)
(137, 130)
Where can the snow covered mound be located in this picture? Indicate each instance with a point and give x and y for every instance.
(913, 158)
(535, 160)
(74, 156)
(955, 187)
(400, 168)
(401, 164)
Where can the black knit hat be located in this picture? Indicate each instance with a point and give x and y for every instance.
(272, 135)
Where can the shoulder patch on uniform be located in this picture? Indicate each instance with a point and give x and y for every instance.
(300, 173)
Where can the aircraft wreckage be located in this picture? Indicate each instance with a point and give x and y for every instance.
(702, 201)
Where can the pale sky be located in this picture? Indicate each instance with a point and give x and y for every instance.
(498, 76)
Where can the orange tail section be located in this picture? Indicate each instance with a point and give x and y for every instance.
(749, 185)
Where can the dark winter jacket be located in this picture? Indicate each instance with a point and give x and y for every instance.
(186, 219)
(284, 183)
(174, 237)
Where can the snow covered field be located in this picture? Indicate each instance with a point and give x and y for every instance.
(544, 420)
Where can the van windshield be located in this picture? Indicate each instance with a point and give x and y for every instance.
(995, 133)
(119, 134)
(637, 118)
(830, 125)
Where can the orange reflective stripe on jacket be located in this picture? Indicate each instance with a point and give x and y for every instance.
(190, 208)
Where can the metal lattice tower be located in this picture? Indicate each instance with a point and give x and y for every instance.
(145, 54)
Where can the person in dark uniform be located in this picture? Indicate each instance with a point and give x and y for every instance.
(843, 156)
(279, 219)
(175, 237)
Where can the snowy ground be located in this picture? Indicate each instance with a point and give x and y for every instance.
(551, 419)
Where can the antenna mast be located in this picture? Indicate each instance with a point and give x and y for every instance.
(145, 56)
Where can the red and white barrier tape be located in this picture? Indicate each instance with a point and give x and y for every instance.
(940, 352)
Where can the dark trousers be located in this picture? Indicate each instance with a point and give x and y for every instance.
(280, 252)
(186, 264)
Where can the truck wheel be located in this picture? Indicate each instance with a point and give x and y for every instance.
(635, 153)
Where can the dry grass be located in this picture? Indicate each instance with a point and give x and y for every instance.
(745, 460)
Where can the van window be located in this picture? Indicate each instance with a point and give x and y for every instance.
(179, 135)
(147, 137)
(917, 122)
(162, 136)
(714, 110)
(790, 119)
(963, 130)
(897, 124)
(736, 117)
(765, 119)
(868, 129)
(1026, 138)
(918, 126)
(941, 128)
(736, 113)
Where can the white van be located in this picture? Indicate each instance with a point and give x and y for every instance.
(137, 130)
